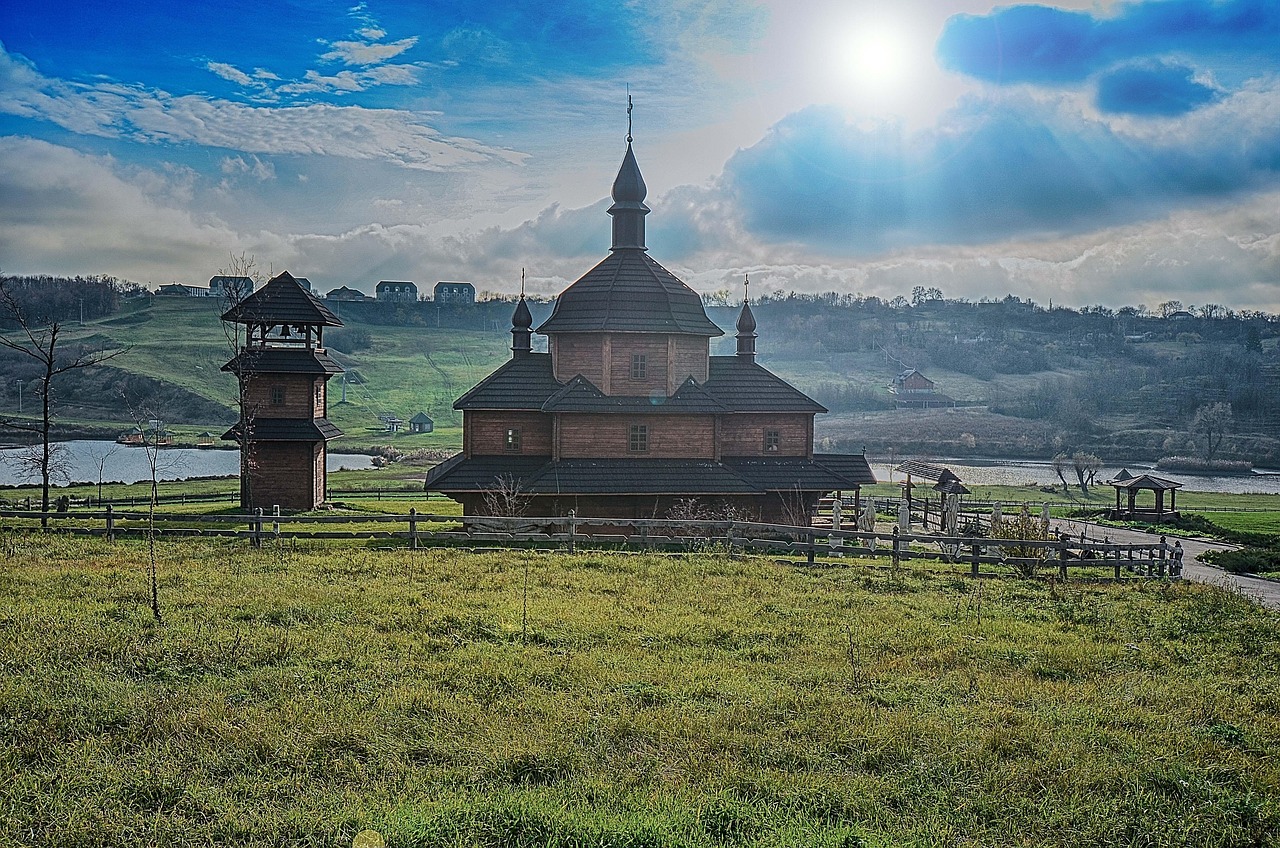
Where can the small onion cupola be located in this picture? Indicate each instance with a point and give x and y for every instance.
(628, 209)
(521, 329)
(746, 331)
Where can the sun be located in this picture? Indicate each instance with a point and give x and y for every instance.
(876, 60)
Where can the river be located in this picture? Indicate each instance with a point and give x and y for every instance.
(1017, 472)
(121, 464)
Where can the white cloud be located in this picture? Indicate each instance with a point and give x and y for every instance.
(153, 116)
(259, 169)
(230, 73)
(367, 52)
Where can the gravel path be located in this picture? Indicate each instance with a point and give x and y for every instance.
(1265, 592)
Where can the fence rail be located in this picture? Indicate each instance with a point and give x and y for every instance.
(571, 532)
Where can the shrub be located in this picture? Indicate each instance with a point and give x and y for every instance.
(1245, 560)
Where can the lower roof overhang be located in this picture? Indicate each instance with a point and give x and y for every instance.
(682, 477)
(285, 430)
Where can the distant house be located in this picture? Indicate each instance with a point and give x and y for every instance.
(1181, 315)
(455, 294)
(347, 294)
(396, 290)
(913, 390)
(305, 283)
(421, 423)
(232, 289)
(182, 290)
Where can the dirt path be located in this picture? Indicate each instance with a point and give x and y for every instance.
(1265, 592)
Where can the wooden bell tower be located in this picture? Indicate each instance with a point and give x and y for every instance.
(282, 369)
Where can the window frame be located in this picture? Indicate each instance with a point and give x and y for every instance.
(277, 395)
(772, 441)
(639, 366)
(513, 441)
(638, 438)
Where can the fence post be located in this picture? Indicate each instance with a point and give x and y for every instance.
(275, 525)
(573, 529)
(809, 537)
(255, 528)
(111, 524)
(1164, 548)
(897, 550)
(413, 528)
(1062, 556)
(973, 559)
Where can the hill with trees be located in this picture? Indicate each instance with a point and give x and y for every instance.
(1199, 382)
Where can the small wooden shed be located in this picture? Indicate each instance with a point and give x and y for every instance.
(421, 423)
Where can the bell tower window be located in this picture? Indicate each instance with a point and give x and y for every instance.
(772, 439)
(639, 366)
(512, 442)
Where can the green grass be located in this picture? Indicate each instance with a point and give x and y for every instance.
(296, 697)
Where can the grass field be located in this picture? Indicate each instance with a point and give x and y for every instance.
(296, 697)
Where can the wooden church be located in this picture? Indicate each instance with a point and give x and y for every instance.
(628, 414)
(283, 369)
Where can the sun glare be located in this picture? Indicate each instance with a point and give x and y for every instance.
(875, 62)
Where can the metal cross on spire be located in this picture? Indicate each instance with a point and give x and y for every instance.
(746, 288)
(628, 114)
(522, 284)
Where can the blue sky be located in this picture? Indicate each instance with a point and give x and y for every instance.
(1108, 152)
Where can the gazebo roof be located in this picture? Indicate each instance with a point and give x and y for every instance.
(1146, 481)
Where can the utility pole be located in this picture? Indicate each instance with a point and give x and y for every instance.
(19, 397)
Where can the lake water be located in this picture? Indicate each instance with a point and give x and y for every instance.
(1020, 472)
(129, 464)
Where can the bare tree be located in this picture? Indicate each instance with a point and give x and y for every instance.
(99, 456)
(1213, 421)
(41, 341)
(242, 267)
(1086, 467)
(1061, 463)
(506, 497)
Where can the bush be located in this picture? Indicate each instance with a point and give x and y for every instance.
(349, 339)
(1245, 560)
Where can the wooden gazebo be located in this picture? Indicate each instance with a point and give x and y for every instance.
(1133, 485)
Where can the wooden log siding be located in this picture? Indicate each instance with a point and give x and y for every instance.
(487, 432)
(579, 353)
(299, 396)
(584, 436)
(743, 434)
(621, 348)
(689, 359)
(284, 474)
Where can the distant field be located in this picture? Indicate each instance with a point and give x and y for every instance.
(299, 696)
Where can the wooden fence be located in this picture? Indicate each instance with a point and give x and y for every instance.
(417, 530)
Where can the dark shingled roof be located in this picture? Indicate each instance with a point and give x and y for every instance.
(744, 386)
(734, 476)
(523, 382)
(629, 292)
(479, 473)
(638, 477)
(581, 395)
(284, 361)
(282, 300)
(287, 430)
(776, 474)
(851, 466)
(1147, 481)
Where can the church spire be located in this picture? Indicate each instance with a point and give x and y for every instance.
(746, 326)
(521, 325)
(629, 191)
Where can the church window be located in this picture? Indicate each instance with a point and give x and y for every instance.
(638, 439)
(513, 439)
(639, 366)
(771, 441)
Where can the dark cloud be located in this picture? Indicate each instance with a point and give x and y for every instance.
(1160, 89)
(991, 170)
(1043, 44)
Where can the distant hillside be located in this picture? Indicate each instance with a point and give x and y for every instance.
(1032, 381)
